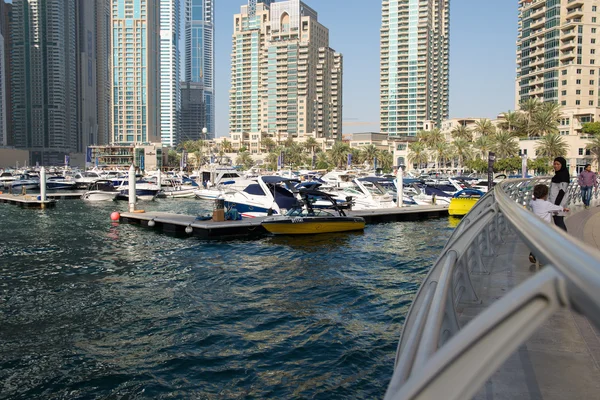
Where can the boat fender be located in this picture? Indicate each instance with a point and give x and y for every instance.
(139, 211)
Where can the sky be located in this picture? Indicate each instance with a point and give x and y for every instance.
(482, 57)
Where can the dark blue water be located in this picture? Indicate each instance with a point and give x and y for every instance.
(93, 309)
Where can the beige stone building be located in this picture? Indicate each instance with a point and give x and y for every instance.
(557, 60)
(286, 80)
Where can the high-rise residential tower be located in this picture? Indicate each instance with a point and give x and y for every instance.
(44, 78)
(198, 92)
(557, 61)
(414, 65)
(103, 69)
(3, 94)
(286, 80)
(135, 68)
(87, 107)
(169, 71)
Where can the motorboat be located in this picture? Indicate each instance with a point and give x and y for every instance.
(84, 179)
(25, 181)
(6, 178)
(462, 202)
(176, 189)
(304, 219)
(144, 191)
(267, 195)
(218, 180)
(101, 190)
(60, 183)
(366, 193)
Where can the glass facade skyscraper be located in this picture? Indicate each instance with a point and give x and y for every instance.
(199, 69)
(135, 66)
(169, 71)
(44, 78)
(414, 65)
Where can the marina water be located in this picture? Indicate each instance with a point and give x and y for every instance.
(94, 309)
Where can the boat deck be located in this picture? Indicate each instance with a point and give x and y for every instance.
(177, 223)
(562, 359)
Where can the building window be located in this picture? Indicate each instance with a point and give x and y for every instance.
(564, 72)
(592, 72)
(580, 151)
(591, 103)
(563, 103)
(593, 51)
(578, 91)
(591, 81)
(577, 102)
(563, 93)
(593, 19)
(579, 70)
(578, 81)
(593, 8)
(564, 82)
(592, 61)
(593, 30)
(591, 92)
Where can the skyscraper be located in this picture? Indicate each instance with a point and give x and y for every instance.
(103, 70)
(3, 94)
(135, 67)
(414, 65)
(557, 46)
(44, 79)
(87, 106)
(198, 94)
(169, 71)
(286, 80)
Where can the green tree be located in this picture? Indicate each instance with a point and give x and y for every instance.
(463, 151)
(594, 146)
(417, 154)
(269, 144)
(227, 146)
(385, 160)
(504, 145)
(442, 153)
(462, 132)
(544, 120)
(540, 165)
(484, 127)
(173, 158)
(551, 145)
(484, 145)
(514, 123)
(271, 160)
(369, 152)
(591, 128)
(323, 161)
(244, 158)
(508, 165)
(477, 165)
(339, 154)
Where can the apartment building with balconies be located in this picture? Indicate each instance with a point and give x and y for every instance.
(286, 80)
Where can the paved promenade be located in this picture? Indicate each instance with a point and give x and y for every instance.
(562, 359)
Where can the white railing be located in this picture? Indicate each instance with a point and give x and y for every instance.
(436, 359)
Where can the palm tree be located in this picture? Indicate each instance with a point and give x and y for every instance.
(423, 136)
(269, 144)
(323, 161)
(386, 160)
(462, 149)
(594, 147)
(435, 137)
(244, 158)
(441, 151)
(271, 160)
(513, 122)
(544, 120)
(484, 127)
(462, 132)
(551, 145)
(369, 152)
(504, 145)
(484, 145)
(417, 154)
(227, 146)
(339, 154)
(530, 105)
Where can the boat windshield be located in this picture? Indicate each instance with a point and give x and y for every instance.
(374, 188)
(302, 212)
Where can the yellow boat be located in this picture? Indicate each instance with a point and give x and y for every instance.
(304, 219)
(462, 202)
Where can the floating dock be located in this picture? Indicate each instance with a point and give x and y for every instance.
(27, 201)
(251, 227)
(65, 195)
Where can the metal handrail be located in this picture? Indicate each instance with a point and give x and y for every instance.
(428, 362)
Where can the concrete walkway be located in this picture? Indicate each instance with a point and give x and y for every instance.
(562, 359)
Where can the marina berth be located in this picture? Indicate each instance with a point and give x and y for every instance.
(101, 190)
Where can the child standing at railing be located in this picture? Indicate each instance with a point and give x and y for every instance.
(544, 209)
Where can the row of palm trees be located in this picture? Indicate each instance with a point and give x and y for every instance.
(534, 120)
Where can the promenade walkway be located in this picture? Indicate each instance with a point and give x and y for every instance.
(562, 359)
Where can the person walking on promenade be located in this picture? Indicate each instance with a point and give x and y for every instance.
(544, 209)
(587, 181)
(558, 190)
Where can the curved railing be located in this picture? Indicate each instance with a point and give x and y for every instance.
(436, 359)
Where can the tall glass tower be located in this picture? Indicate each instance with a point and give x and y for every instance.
(414, 65)
(135, 64)
(44, 78)
(169, 71)
(199, 70)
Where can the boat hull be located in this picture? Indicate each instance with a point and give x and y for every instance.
(461, 206)
(97, 195)
(312, 225)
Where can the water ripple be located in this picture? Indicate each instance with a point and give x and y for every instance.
(94, 309)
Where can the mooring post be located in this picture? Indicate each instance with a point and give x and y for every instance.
(132, 188)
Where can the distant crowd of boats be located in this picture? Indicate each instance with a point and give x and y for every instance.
(250, 194)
